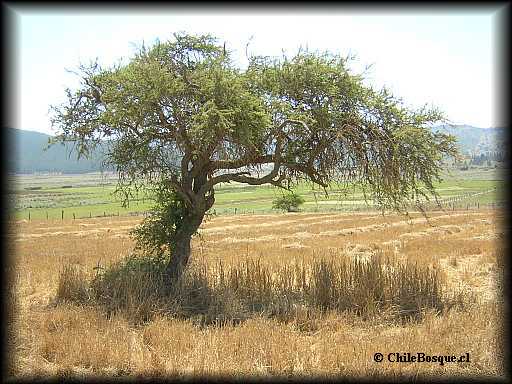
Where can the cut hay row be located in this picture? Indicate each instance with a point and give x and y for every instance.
(353, 230)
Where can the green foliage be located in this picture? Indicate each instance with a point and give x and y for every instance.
(175, 98)
(180, 116)
(289, 202)
(180, 110)
(349, 132)
(156, 235)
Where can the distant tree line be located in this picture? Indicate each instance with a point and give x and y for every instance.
(483, 159)
(487, 157)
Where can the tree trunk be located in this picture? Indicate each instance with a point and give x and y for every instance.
(179, 258)
(181, 250)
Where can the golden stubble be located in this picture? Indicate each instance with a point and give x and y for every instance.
(69, 339)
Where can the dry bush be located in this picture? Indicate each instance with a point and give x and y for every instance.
(134, 285)
(365, 288)
(226, 295)
(371, 288)
(196, 298)
(72, 285)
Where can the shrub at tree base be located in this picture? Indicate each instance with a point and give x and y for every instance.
(134, 286)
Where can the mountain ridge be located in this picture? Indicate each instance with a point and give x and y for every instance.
(29, 156)
(474, 140)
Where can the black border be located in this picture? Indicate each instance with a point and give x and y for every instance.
(9, 11)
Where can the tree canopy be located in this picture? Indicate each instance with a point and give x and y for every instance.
(183, 116)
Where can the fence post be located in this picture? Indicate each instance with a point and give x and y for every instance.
(62, 215)
(235, 210)
(46, 215)
(28, 215)
(90, 215)
(74, 218)
(104, 214)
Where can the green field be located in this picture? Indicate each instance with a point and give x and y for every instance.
(92, 194)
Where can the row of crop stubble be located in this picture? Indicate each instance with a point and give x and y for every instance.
(80, 339)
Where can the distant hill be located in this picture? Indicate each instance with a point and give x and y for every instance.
(27, 155)
(477, 141)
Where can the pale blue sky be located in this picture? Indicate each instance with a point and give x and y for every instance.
(444, 58)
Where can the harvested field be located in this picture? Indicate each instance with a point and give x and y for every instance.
(70, 339)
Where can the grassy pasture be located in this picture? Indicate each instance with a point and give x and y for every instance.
(92, 195)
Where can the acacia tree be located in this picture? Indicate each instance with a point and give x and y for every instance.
(181, 118)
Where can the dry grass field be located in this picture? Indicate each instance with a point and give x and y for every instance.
(69, 338)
